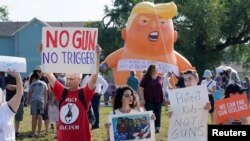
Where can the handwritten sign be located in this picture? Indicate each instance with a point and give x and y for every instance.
(133, 127)
(69, 50)
(233, 107)
(139, 65)
(189, 118)
(13, 63)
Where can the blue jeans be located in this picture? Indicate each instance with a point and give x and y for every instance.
(96, 108)
(156, 108)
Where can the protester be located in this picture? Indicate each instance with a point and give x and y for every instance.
(211, 88)
(37, 100)
(234, 78)
(133, 81)
(53, 108)
(151, 94)
(109, 92)
(73, 122)
(191, 78)
(10, 82)
(247, 85)
(166, 86)
(124, 102)
(26, 90)
(2, 80)
(9, 109)
(101, 87)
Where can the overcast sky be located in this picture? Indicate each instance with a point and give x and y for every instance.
(56, 10)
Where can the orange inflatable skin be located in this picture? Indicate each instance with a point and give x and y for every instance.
(149, 35)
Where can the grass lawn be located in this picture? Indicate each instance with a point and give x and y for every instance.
(98, 134)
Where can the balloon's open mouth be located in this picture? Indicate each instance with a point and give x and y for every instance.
(153, 36)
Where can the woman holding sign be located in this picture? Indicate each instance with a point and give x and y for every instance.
(124, 103)
(9, 109)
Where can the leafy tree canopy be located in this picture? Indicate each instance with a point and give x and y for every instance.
(205, 27)
(4, 13)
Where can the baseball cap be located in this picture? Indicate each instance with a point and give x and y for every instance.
(207, 73)
(234, 88)
(38, 67)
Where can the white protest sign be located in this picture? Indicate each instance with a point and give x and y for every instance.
(189, 118)
(69, 50)
(13, 63)
(139, 65)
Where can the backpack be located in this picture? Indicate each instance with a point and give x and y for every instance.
(90, 112)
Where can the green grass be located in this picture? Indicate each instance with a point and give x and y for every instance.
(97, 135)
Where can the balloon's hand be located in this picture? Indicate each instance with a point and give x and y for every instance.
(104, 67)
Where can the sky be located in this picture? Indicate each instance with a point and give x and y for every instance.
(56, 10)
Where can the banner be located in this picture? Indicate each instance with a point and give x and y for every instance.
(189, 118)
(139, 65)
(69, 50)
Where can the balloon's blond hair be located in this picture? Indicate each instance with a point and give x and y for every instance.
(164, 10)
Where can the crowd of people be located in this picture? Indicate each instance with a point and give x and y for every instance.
(60, 99)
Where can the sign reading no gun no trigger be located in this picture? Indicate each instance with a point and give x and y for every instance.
(69, 50)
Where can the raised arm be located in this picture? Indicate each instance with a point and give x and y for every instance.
(51, 78)
(15, 100)
(93, 77)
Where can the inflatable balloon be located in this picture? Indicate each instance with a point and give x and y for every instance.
(149, 39)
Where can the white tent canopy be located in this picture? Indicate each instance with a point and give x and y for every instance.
(221, 68)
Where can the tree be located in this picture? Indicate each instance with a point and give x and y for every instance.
(4, 13)
(205, 27)
(109, 38)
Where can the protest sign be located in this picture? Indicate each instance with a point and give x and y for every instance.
(69, 50)
(13, 63)
(137, 126)
(189, 118)
(233, 107)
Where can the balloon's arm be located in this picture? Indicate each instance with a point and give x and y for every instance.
(182, 62)
(112, 59)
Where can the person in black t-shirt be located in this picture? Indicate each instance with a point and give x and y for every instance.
(10, 92)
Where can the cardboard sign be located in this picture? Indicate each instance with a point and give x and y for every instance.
(189, 118)
(17, 64)
(233, 107)
(69, 50)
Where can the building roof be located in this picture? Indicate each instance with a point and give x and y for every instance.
(8, 28)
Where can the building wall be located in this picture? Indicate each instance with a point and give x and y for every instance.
(26, 44)
(6, 46)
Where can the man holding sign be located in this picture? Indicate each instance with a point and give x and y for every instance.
(8, 110)
(73, 122)
(72, 51)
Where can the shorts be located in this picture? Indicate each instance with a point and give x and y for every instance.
(211, 99)
(19, 113)
(36, 108)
